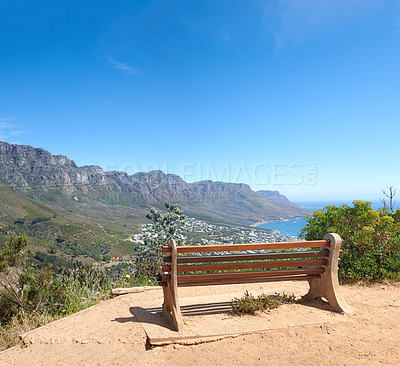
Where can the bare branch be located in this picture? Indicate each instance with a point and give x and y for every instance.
(10, 297)
(390, 193)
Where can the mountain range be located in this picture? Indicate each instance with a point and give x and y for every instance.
(88, 190)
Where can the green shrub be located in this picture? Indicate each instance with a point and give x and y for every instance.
(107, 258)
(374, 265)
(248, 304)
(371, 240)
(77, 289)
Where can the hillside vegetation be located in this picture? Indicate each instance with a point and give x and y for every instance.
(61, 232)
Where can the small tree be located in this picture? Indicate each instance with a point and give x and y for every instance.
(165, 225)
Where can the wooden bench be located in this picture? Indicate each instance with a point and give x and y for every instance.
(313, 261)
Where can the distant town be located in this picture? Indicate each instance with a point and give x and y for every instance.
(195, 231)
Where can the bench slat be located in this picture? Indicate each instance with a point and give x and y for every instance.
(248, 257)
(250, 246)
(270, 273)
(247, 265)
(248, 280)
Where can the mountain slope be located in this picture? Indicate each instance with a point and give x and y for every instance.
(89, 191)
(277, 197)
(63, 232)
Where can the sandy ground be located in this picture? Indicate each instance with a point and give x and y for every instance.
(108, 334)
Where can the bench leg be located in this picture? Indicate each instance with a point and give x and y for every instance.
(176, 310)
(171, 308)
(167, 299)
(328, 285)
(171, 305)
(166, 306)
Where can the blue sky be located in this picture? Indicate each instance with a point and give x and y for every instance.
(299, 96)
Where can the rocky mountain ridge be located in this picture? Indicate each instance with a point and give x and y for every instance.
(57, 180)
(276, 196)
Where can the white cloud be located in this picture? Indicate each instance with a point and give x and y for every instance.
(298, 20)
(5, 122)
(16, 133)
(127, 69)
(8, 129)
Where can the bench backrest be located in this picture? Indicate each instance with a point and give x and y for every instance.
(246, 263)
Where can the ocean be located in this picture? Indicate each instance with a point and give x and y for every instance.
(293, 227)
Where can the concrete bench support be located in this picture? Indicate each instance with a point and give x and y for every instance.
(327, 286)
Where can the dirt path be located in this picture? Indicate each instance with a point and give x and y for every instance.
(107, 334)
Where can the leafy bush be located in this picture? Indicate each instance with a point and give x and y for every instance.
(248, 304)
(371, 239)
(107, 258)
(22, 288)
(77, 289)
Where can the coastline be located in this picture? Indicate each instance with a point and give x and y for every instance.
(258, 223)
(261, 222)
(289, 226)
